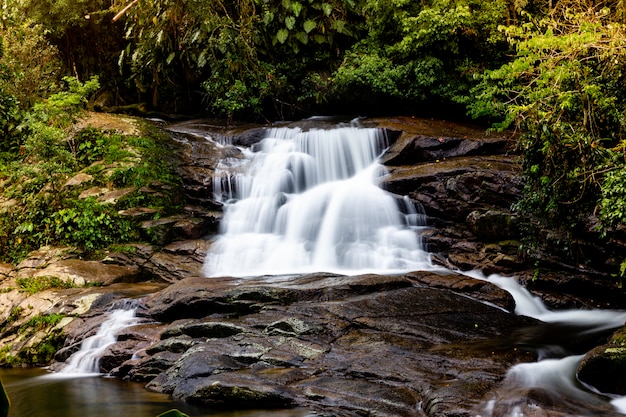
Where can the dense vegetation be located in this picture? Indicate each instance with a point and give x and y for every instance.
(554, 70)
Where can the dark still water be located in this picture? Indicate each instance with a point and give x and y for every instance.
(37, 393)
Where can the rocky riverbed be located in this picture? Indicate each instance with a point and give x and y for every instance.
(413, 344)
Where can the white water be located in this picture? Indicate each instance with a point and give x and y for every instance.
(556, 375)
(305, 202)
(309, 202)
(86, 360)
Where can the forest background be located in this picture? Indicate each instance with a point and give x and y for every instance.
(555, 71)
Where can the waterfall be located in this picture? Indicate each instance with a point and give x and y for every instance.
(86, 360)
(310, 201)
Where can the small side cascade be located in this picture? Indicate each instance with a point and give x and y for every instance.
(86, 361)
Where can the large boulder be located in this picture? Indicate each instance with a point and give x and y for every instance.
(604, 367)
(419, 344)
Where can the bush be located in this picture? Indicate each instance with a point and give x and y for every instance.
(422, 53)
(565, 92)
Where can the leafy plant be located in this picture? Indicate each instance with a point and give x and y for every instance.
(421, 53)
(564, 92)
(89, 225)
(43, 321)
(33, 285)
(247, 55)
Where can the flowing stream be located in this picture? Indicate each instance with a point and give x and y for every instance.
(86, 360)
(309, 201)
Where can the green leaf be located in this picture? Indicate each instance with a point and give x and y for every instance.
(268, 17)
(170, 58)
(302, 37)
(282, 35)
(320, 38)
(297, 8)
(290, 22)
(309, 25)
(202, 59)
(327, 8)
(339, 25)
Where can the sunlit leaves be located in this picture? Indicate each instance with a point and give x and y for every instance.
(290, 22)
(282, 35)
(309, 25)
(564, 90)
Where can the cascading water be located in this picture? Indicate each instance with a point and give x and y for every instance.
(303, 202)
(556, 374)
(309, 201)
(86, 360)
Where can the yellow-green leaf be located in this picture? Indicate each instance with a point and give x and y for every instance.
(327, 8)
(297, 8)
(309, 25)
(282, 35)
(302, 37)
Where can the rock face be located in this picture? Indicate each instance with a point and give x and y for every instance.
(367, 345)
(604, 366)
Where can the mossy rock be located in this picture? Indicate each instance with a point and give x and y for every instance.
(605, 366)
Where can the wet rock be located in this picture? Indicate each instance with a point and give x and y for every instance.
(420, 148)
(6, 270)
(138, 213)
(492, 225)
(177, 261)
(604, 367)
(379, 345)
(452, 189)
(475, 288)
(80, 273)
(112, 197)
(150, 367)
(79, 179)
(232, 390)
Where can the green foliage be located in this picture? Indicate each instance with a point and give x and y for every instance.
(422, 52)
(47, 211)
(6, 357)
(565, 92)
(34, 63)
(9, 111)
(613, 196)
(33, 285)
(42, 321)
(62, 108)
(247, 54)
(88, 224)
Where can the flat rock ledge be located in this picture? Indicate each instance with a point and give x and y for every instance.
(420, 344)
